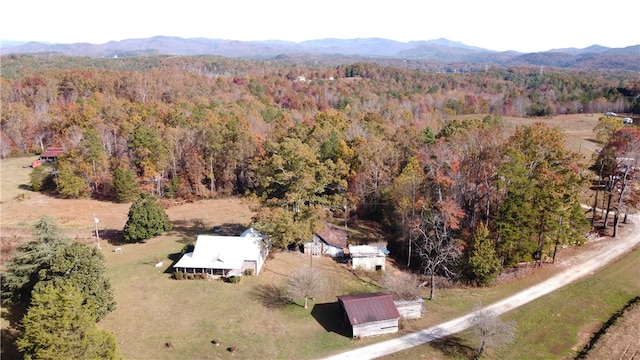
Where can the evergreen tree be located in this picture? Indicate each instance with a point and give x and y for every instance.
(147, 219)
(60, 325)
(542, 181)
(125, 185)
(83, 266)
(428, 136)
(30, 261)
(482, 263)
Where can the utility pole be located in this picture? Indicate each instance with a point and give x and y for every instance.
(345, 216)
(95, 222)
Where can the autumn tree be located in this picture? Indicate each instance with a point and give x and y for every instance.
(438, 248)
(294, 178)
(407, 196)
(541, 182)
(146, 219)
(607, 125)
(94, 165)
(59, 324)
(378, 163)
(619, 159)
(149, 153)
(69, 183)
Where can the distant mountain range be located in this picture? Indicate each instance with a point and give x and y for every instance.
(441, 50)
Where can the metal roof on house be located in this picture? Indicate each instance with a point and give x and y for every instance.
(365, 308)
(51, 152)
(221, 252)
(365, 251)
(333, 236)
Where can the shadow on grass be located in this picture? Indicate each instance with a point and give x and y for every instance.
(453, 348)
(605, 327)
(113, 236)
(13, 314)
(8, 342)
(271, 296)
(175, 257)
(328, 315)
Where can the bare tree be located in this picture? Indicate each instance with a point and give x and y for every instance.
(438, 251)
(489, 330)
(401, 286)
(306, 282)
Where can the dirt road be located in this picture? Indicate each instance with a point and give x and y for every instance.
(582, 265)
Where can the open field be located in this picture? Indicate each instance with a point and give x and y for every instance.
(578, 129)
(161, 318)
(621, 340)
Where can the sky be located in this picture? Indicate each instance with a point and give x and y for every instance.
(524, 26)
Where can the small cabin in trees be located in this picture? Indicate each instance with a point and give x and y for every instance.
(367, 257)
(51, 154)
(226, 256)
(330, 241)
(369, 314)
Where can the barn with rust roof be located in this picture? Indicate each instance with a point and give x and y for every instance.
(51, 154)
(370, 314)
(330, 241)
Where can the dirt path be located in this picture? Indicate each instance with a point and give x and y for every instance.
(581, 265)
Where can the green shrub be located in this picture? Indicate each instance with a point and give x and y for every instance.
(234, 279)
(178, 275)
(248, 272)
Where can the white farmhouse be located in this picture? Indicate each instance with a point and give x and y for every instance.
(226, 255)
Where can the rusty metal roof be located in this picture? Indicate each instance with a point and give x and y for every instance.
(52, 152)
(333, 236)
(365, 308)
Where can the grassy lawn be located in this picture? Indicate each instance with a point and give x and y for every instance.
(154, 310)
(555, 326)
(15, 177)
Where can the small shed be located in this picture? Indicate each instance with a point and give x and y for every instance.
(369, 314)
(410, 309)
(51, 154)
(330, 241)
(367, 257)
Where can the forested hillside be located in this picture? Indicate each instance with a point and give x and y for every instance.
(309, 139)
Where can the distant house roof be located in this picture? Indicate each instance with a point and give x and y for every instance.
(52, 152)
(333, 236)
(251, 232)
(365, 308)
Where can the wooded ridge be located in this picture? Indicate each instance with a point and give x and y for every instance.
(440, 51)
